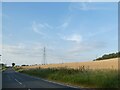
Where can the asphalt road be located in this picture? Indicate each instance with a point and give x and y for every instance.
(12, 79)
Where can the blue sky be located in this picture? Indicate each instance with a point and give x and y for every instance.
(71, 32)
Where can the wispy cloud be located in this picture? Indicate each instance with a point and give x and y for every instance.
(87, 47)
(44, 28)
(21, 53)
(85, 6)
(84, 51)
(64, 25)
(28, 54)
(74, 38)
(66, 22)
(41, 28)
(101, 31)
(21, 49)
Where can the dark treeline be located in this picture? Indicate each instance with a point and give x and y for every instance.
(108, 56)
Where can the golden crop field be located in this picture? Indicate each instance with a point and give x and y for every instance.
(103, 64)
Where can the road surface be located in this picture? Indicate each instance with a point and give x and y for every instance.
(12, 79)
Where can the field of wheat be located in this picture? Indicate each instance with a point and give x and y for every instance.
(95, 74)
(103, 64)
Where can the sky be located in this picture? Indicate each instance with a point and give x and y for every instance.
(70, 32)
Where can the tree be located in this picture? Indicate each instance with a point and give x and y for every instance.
(108, 56)
(13, 64)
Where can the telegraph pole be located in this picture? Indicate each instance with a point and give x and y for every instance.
(44, 55)
(0, 57)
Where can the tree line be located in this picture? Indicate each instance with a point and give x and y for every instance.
(108, 56)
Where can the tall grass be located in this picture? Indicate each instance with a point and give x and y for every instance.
(86, 78)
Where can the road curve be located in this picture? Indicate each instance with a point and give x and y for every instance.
(12, 79)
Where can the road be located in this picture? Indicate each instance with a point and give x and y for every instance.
(12, 79)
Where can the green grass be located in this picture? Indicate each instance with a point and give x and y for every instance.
(3, 68)
(79, 77)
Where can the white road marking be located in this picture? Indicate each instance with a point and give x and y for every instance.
(77, 87)
(18, 81)
(51, 81)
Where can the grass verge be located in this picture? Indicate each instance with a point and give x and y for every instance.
(79, 77)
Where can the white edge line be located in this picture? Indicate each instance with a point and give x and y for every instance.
(18, 81)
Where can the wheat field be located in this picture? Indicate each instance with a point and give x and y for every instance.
(103, 64)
